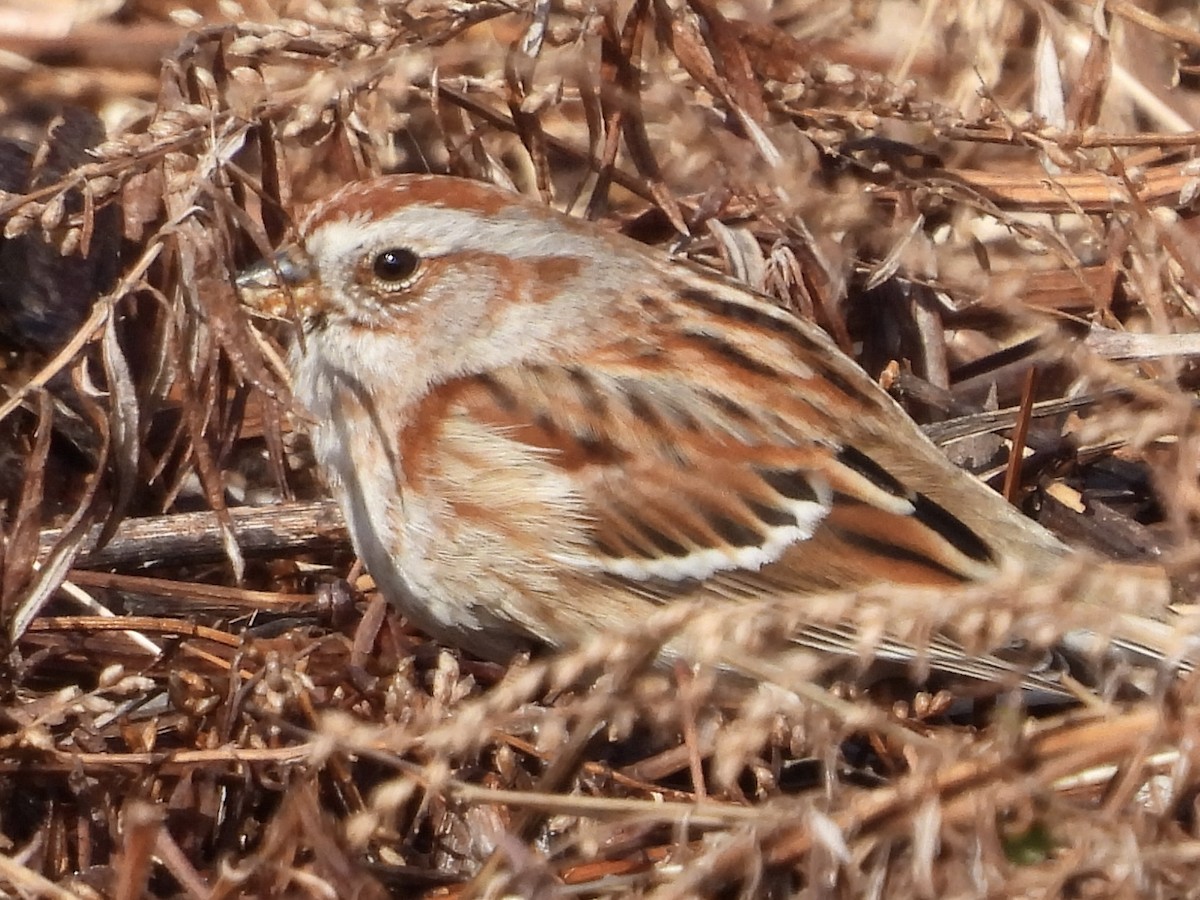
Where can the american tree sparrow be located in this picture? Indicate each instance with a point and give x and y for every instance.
(539, 430)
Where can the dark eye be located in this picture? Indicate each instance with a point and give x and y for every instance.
(395, 265)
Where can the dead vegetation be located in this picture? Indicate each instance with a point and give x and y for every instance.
(990, 204)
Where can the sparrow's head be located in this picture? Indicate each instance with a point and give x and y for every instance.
(462, 274)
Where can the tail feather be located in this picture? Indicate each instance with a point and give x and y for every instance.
(1088, 620)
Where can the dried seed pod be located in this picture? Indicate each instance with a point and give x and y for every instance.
(53, 212)
(109, 150)
(246, 45)
(22, 220)
(103, 186)
(70, 241)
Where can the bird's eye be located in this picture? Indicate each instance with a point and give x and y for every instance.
(395, 266)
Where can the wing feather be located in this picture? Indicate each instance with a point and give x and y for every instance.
(678, 484)
(689, 472)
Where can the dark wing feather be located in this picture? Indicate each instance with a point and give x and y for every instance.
(725, 450)
(681, 483)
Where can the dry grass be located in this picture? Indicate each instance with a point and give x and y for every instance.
(960, 192)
